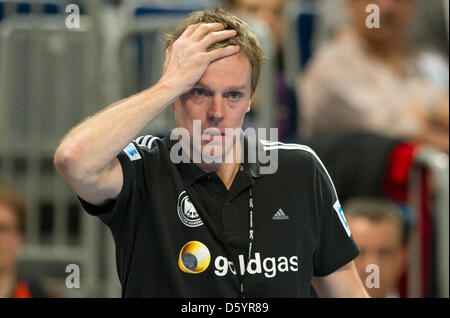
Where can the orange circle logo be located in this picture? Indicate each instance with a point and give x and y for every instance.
(194, 258)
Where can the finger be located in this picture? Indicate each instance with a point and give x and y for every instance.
(189, 30)
(222, 52)
(205, 28)
(217, 36)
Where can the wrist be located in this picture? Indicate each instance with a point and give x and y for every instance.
(170, 86)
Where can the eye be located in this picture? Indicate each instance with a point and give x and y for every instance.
(198, 92)
(234, 95)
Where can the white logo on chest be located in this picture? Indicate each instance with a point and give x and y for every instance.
(187, 212)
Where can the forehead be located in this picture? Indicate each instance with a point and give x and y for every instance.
(232, 70)
(374, 232)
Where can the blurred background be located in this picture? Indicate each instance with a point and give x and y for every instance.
(371, 100)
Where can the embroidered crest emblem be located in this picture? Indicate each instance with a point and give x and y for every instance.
(187, 212)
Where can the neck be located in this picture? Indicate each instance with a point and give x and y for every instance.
(7, 282)
(391, 53)
(225, 171)
(387, 50)
(228, 168)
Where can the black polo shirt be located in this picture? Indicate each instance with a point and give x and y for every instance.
(228, 209)
(179, 232)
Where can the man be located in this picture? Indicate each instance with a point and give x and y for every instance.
(373, 79)
(381, 234)
(206, 228)
(12, 228)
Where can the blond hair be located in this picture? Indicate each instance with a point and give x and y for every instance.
(244, 38)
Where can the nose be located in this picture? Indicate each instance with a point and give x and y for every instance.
(216, 110)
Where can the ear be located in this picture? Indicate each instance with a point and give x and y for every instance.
(20, 240)
(404, 256)
(249, 105)
(174, 102)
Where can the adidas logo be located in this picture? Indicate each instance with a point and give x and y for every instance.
(280, 216)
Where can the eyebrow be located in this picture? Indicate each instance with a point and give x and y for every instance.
(229, 88)
(236, 88)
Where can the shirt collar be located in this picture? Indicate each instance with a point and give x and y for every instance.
(189, 172)
(252, 167)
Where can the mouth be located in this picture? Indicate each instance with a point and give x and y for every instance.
(212, 134)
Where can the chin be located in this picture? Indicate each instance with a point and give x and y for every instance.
(214, 153)
(382, 35)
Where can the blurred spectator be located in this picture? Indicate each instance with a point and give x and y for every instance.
(12, 224)
(380, 231)
(429, 26)
(271, 12)
(375, 80)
